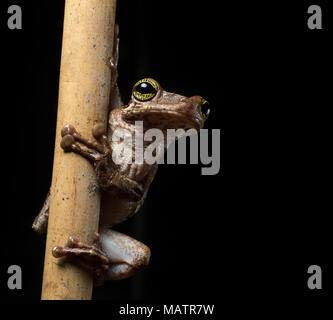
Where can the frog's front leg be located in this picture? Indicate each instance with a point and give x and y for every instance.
(72, 141)
(99, 153)
(113, 256)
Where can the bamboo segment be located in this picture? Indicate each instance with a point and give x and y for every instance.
(84, 91)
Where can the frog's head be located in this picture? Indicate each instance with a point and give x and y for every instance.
(160, 109)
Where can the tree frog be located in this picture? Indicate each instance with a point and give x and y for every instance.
(113, 255)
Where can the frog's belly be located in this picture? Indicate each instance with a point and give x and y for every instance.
(115, 210)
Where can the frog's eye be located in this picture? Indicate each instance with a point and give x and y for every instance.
(205, 110)
(145, 89)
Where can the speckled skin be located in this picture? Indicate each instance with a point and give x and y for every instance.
(113, 255)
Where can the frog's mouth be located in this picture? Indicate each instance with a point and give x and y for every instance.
(161, 119)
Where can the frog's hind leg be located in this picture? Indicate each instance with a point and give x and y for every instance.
(127, 255)
(115, 97)
(90, 257)
(41, 221)
(112, 256)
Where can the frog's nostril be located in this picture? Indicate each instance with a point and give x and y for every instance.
(205, 109)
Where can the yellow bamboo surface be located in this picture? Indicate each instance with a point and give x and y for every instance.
(84, 90)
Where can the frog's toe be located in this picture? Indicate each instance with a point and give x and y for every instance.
(68, 129)
(98, 130)
(67, 142)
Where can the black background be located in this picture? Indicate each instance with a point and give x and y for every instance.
(248, 233)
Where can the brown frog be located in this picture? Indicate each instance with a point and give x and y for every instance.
(124, 186)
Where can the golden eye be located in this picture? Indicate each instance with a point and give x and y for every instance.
(205, 110)
(145, 89)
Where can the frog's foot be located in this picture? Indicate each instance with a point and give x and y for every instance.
(93, 150)
(90, 257)
(112, 256)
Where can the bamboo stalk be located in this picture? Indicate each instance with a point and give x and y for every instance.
(84, 91)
